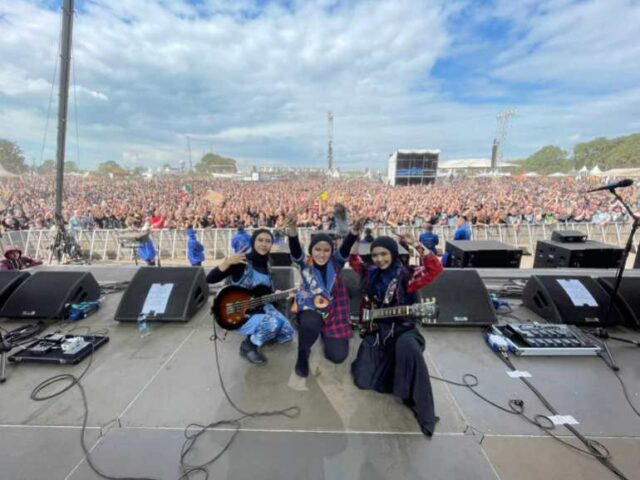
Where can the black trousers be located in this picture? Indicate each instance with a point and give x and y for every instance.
(310, 325)
(392, 362)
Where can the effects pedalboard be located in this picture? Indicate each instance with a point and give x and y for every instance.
(59, 348)
(535, 339)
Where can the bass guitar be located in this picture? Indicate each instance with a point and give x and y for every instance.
(418, 312)
(233, 305)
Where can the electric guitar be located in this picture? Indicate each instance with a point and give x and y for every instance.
(370, 316)
(233, 305)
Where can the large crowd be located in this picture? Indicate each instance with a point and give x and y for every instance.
(180, 201)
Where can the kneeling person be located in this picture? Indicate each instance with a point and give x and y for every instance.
(249, 271)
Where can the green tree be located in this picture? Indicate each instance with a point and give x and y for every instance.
(47, 166)
(11, 157)
(548, 159)
(213, 163)
(71, 166)
(138, 170)
(110, 166)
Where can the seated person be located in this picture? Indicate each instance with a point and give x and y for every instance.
(14, 260)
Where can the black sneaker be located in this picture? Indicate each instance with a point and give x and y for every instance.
(249, 351)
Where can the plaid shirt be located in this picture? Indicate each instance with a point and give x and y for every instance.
(335, 323)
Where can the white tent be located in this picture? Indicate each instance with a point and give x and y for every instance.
(583, 169)
(595, 171)
(4, 173)
(558, 174)
(532, 174)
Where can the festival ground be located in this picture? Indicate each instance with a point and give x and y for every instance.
(143, 392)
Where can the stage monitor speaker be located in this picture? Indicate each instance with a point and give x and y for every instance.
(48, 294)
(575, 300)
(588, 254)
(189, 292)
(283, 279)
(352, 283)
(628, 300)
(462, 299)
(636, 263)
(482, 254)
(280, 255)
(9, 281)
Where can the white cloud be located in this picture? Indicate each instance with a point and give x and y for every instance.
(255, 82)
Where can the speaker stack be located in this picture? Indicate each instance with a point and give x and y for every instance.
(570, 249)
(482, 254)
(188, 293)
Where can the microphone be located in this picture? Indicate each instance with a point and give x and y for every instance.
(627, 182)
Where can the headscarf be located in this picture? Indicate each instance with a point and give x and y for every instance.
(379, 282)
(320, 237)
(257, 260)
(389, 244)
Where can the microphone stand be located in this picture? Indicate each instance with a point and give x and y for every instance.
(4, 349)
(614, 293)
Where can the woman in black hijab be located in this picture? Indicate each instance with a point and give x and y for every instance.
(391, 359)
(250, 270)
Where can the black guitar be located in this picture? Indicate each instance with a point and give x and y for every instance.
(370, 316)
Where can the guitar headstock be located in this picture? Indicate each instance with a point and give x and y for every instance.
(425, 308)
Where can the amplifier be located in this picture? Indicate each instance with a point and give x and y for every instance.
(568, 236)
(482, 254)
(588, 254)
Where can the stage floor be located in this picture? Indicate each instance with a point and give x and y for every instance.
(143, 392)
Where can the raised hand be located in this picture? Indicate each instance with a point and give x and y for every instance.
(358, 225)
(290, 224)
(236, 259)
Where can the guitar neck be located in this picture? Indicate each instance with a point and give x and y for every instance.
(401, 311)
(273, 297)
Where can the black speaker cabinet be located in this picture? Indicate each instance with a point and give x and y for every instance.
(628, 300)
(9, 281)
(280, 255)
(48, 294)
(188, 293)
(568, 236)
(482, 254)
(636, 263)
(364, 250)
(575, 300)
(352, 282)
(589, 254)
(462, 299)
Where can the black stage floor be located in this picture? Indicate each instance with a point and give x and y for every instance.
(142, 392)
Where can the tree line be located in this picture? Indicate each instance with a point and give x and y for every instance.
(13, 160)
(619, 152)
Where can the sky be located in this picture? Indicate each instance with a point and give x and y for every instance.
(254, 80)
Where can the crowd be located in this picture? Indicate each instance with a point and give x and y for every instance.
(183, 201)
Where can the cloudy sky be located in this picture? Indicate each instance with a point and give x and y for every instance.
(254, 79)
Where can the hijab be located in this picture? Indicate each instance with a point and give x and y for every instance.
(260, 262)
